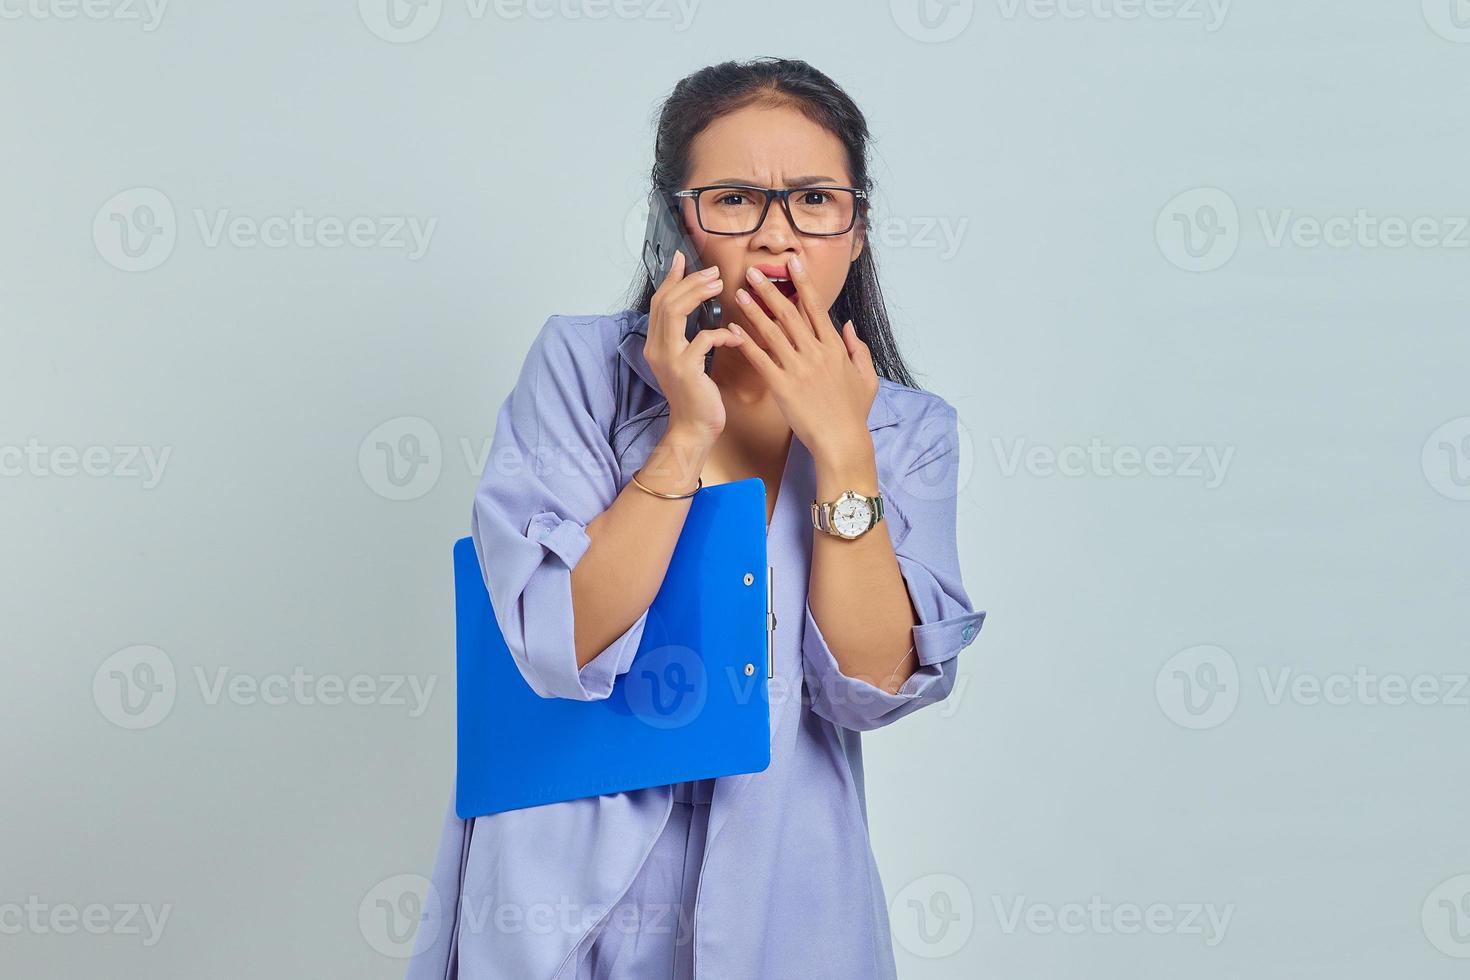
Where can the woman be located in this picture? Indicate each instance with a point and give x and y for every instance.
(613, 425)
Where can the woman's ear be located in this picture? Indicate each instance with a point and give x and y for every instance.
(859, 240)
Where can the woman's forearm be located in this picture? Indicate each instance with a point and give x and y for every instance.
(632, 541)
(857, 593)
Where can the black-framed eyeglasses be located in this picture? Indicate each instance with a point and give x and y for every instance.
(740, 209)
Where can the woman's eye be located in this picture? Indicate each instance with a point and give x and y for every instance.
(730, 200)
(814, 198)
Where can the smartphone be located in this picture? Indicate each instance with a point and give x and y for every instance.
(661, 239)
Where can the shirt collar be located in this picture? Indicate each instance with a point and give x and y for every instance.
(630, 348)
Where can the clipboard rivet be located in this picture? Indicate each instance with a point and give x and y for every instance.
(749, 669)
(749, 578)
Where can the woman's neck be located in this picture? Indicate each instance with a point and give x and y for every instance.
(736, 378)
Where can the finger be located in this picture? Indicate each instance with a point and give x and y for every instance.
(817, 318)
(760, 360)
(792, 321)
(763, 326)
(679, 301)
(861, 353)
(656, 319)
(694, 289)
(706, 339)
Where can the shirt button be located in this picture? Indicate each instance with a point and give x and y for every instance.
(968, 634)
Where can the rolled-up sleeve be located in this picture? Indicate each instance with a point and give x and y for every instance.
(926, 492)
(550, 471)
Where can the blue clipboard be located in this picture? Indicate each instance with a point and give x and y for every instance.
(694, 704)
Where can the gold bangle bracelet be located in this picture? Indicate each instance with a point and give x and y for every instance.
(666, 496)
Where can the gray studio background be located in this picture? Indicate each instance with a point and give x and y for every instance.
(1194, 275)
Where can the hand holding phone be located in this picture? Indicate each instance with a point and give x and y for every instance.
(662, 239)
(680, 365)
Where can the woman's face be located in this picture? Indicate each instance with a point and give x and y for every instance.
(770, 147)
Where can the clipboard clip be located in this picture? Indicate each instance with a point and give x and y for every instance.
(770, 622)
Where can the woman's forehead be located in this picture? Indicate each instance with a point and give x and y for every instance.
(779, 146)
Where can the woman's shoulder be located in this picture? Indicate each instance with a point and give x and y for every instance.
(585, 340)
(913, 408)
(584, 365)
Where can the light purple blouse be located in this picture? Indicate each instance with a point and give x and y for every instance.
(789, 887)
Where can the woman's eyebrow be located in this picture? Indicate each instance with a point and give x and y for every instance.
(793, 182)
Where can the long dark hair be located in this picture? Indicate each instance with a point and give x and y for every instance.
(711, 92)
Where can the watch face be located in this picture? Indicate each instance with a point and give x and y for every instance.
(851, 516)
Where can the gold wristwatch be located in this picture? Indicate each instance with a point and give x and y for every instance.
(850, 516)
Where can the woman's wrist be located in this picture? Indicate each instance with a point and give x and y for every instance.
(691, 435)
(846, 466)
(676, 462)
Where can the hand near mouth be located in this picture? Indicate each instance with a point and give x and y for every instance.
(823, 379)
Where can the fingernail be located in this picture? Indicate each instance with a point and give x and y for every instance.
(742, 296)
(795, 264)
(710, 272)
(754, 274)
(735, 329)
